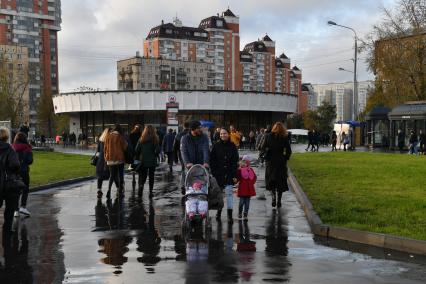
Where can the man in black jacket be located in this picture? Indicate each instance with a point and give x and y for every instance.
(9, 166)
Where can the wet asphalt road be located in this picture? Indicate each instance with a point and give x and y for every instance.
(74, 238)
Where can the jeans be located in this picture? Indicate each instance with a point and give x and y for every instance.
(182, 177)
(229, 192)
(170, 158)
(144, 173)
(244, 204)
(116, 175)
(413, 148)
(12, 203)
(26, 179)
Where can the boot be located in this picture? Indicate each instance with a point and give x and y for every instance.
(108, 195)
(240, 212)
(218, 215)
(245, 216)
(140, 191)
(280, 194)
(150, 192)
(274, 199)
(120, 193)
(230, 220)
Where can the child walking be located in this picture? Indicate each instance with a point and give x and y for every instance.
(246, 179)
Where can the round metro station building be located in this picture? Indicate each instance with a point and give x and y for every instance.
(91, 112)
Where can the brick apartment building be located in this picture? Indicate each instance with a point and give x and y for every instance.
(34, 24)
(216, 43)
(140, 73)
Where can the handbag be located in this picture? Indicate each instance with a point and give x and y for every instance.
(14, 185)
(94, 159)
(9, 183)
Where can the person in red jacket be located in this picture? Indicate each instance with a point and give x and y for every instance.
(246, 179)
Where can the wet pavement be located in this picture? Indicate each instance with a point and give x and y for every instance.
(74, 238)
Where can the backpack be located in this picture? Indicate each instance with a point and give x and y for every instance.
(3, 174)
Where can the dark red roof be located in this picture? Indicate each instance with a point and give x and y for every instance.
(228, 13)
(257, 46)
(169, 30)
(267, 38)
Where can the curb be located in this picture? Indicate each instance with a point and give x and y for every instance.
(61, 183)
(363, 237)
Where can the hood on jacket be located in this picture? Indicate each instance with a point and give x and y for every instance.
(22, 147)
(3, 147)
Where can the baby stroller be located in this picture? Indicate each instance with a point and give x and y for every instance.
(196, 200)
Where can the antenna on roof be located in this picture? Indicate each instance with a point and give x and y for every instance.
(177, 22)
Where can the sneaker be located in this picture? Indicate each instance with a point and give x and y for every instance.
(24, 211)
(16, 214)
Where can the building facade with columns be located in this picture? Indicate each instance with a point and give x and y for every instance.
(91, 112)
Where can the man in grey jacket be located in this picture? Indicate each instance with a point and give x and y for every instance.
(194, 146)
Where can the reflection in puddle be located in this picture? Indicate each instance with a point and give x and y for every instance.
(221, 255)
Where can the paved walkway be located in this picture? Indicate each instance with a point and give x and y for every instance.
(74, 238)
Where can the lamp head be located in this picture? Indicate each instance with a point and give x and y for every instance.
(331, 23)
(341, 69)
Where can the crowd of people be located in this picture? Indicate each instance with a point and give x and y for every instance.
(416, 143)
(317, 139)
(143, 149)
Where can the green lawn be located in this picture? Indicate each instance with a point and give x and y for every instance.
(51, 167)
(384, 193)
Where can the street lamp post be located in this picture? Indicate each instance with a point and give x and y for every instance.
(355, 96)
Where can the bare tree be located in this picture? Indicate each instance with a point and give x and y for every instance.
(14, 83)
(397, 54)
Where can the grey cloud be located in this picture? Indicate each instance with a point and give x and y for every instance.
(93, 38)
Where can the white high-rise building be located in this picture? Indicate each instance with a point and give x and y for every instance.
(340, 95)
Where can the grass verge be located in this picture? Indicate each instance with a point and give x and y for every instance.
(51, 167)
(376, 192)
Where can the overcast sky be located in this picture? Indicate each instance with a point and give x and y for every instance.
(97, 33)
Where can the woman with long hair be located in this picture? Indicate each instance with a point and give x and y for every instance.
(135, 135)
(115, 146)
(102, 172)
(277, 151)
(147, 150)
(224, 165)
(25, 154)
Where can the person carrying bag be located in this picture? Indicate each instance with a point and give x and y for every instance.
(11, 183)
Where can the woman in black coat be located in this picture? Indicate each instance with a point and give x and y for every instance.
(102, 171)
(277, 152)
(224, 165)
(9, 165)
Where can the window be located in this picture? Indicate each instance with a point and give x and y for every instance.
(219, 23)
